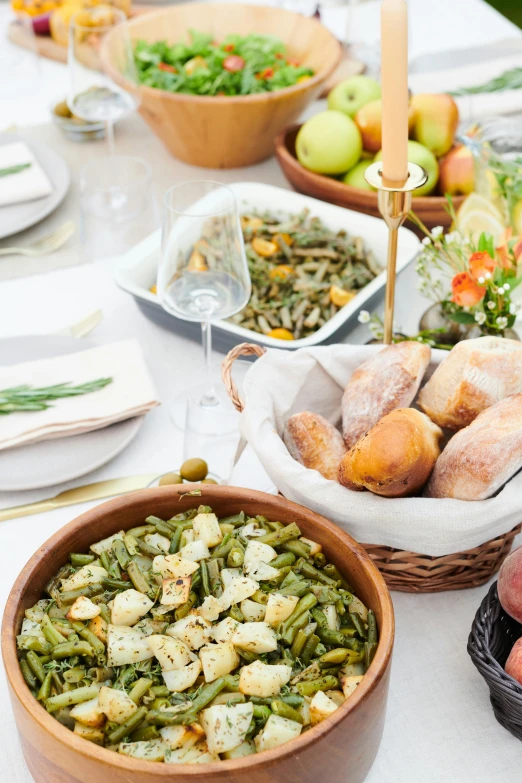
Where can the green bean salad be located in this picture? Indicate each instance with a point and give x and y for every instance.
(195, 639)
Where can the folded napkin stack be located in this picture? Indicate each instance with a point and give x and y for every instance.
(130, 394)
(27, 185)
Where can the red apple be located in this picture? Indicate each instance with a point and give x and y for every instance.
(457, 176)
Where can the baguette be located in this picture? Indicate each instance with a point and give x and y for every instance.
(315, 443)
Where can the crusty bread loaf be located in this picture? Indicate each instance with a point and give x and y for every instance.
(315, 443)
(381, 384)
(395, 458)
(480, 458)
(475, 374)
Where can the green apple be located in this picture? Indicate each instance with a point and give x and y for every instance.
(355, 177)
(349, 96)
(422, 156)
(328, 143)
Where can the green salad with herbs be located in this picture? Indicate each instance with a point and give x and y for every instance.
(239, 65)
(193, 639)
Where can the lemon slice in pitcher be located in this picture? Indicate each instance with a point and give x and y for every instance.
(476, 215)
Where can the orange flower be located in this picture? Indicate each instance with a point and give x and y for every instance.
(517, 250)
(480, 263)
(466, 292)
(503, 253)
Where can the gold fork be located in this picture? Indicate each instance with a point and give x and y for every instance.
(45, 245)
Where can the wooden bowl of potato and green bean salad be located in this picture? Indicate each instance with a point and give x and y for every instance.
(197, 636)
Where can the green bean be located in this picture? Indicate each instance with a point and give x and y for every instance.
(214, 578)
(335, 574)
(278, 707)
(70, 596)
(75, 675)
(137, 577)
(45, 688)
(165, 529)
(292, 699)
(104, 560)
(277, 580)
(72, 648)
(236, 614)
(297, 548)
(337, 655)
(89, 636)
(372, 628)
(348, 631)
(36, 666)
(291, 632)
(236, 557)
(311, 572)
(165, 718)
(369, 653)
(174, 541)
(139, 689)
(57, 681)
(231, 682)
(285, 559)
(320, 560)
(104, 612)
(128, 727)
(120, 550)
(183, 516)
(76, 696)
(309, 649)
(145, 734)
(182, 611)
(51, 633)
(45, 659)
(148, 549)
(262, 713)
(207, 694)
(196, 579)
(304, 604)
(80, 560)
(358, 624)
(259, 597)
(141, 530)
(327, 636)
(325, 595)
(205, 581)
(125, 677)
(310, 687)
(35, 643)
(115, 584)
(300, 588)
(282, 536)
(299, 643)
(236, 519)
(131, 544)
(222, 549)
(27, 674)
(160, 690)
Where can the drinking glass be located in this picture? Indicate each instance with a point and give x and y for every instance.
(212, 434)
(363, 35)
(203, 274)
(20, 80)
(93, 95)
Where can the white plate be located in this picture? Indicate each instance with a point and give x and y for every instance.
(56, 461)
(138, 270)
(18, 217)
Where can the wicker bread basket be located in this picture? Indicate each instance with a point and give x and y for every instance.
(409, 572)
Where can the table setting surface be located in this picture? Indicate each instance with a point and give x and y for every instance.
(439, 725)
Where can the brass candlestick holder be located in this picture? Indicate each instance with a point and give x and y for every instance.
(394, 202)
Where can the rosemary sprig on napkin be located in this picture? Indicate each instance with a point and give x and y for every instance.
(27, 398)
(509, 80)
(14, 169)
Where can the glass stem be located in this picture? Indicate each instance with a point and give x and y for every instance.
(109, 128)
(210, 397)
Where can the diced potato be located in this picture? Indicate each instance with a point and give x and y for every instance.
(31, 628)
(228, 575)
(148, 626)
(257, 552)
(336, 696)
(176, 591)
(36, 612)
(349, 684)
(187, 537)
(178, 737)
(178, 680)
(312, 672)
(252, 530)
(304, 711)
(83, 609)
(90, 733)
(262, 679)
(206, 529)
(218, 660)
(226, 726)
(261, 571)
(226, 527)
(89, 713)
(276, 732)
(256, 637)
(357, 606)
(197, 754)
(193, 630)
(237, 591)
(210, 609)
(197, 550)
(321, 707)
(157, 540)
(126, 645)
(315, 548)
(353, 669)
(172, 566)
(99, 628)
(117, 705)
(86, 575)
(105, 545)
(171, 653)
(279, 607)
(224, 631)
(332, 618)
(247, 748)
(252, 611)
(145, 750)
(128, 606)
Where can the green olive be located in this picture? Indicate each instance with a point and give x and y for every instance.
(62, 110)
(209, 481)
(194, 469)
(170, 478)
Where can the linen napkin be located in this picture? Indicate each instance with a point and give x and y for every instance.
(131, 393)
(27, 185)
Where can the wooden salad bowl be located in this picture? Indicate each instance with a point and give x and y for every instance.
(341, 749)
(430, 209)
(220, 131)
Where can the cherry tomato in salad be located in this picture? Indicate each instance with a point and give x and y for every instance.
(266, 74)
(229, 47)
(233, 63)
(279, 56)
(167, 67)
(295, 63)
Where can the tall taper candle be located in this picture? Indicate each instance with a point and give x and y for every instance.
(394, 78)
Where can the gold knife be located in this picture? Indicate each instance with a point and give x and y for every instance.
(96, 491)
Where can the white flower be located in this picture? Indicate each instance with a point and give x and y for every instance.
(426, 241)
(491, 305)
(501, 322)
(452, 237)
(363, 317)
(437, 231)
(488, 275)
(480, 318)
(500, 290)
(513, 308)
(482, 280)
(507, 287)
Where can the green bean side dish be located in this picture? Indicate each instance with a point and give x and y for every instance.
(196, 639)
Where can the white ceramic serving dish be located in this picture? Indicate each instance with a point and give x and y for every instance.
(138, 270)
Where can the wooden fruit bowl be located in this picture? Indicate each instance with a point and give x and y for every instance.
(430, 209)
(221, 131)
(340, 749)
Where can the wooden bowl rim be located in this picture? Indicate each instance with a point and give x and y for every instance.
(97, 753)
(223, 100)
(351, 194)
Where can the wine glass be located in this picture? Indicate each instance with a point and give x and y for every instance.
(93, 95)
(203, 273)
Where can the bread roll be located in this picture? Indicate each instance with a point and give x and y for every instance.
(476, 374)
(395, 458)
(315, 443)
(479, 459)
(381, 384)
